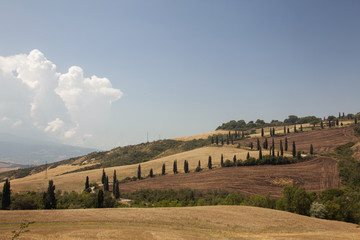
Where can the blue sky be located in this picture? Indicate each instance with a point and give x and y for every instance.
(185, 67)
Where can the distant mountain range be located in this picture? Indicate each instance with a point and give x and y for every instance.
(24, 151)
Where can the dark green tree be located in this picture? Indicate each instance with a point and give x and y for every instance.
(106, 184)
(227, 141)
(356, 121)
(273, 131)
(295, 131)
(209, 163)
(212, 139)
(175, 167)
(114, 181)
(242, 134)
(100, 199)
(258, 144)
(265, 144)
(186, 166)
(262, 132)
(49, 199)
(301, 128)
(87, 185)
(337, 122)
(6, 200)
(329, 124)
(139, 172)
(281, 148)
(198, 168)
(311, 149)
(222, 141)
(288, 130)
(260, 154)
(222, 160)
(151, 173)
(163, 169)
(294, 149)
(248, 156)
(217, 139)
(286, 144)
(117, 190)
(251, 145)
(322, 124)
(284, 129)
(103, 178)
(234, 160)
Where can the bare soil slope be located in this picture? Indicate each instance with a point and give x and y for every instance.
(214, 222)
(315, 175)
(323, 141)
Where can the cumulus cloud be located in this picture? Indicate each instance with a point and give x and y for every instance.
(65, 106)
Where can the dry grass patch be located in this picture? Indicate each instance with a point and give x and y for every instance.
(212, 222)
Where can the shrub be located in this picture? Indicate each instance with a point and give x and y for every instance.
(318, 210)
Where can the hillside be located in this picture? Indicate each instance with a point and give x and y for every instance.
(213, 222)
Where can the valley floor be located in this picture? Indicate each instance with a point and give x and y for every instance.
(210, 222)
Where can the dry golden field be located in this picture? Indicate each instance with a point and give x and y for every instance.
(210, 222)
(75, 181)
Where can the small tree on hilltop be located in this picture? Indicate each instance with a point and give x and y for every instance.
(163, 169)
(311, 149)
(139, 172)
(222, 160)
(286, 144)
(262, 132)
(6, 200)
(209, 163)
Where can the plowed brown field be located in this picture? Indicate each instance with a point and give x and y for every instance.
(314, 175)
(323, 141)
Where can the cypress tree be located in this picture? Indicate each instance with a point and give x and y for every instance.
(222, 161)
(284, 129)
(281, 148)
(217, 139)
(234, 160)
(222, 141)
(262, 132)
(288, 130)
(295, 128)
(329, 124)
(198, 168)
(356, 121)
(212, 139)
(209, 163)
(117, 190)
(251, 145)
(151, 173)
(260, 154)
(294, 149)
(273, 148)
(163, 169)
(337, 122)
(114, 182)
(227, 141)
(87, 185)
(103, 178)
(242, 134)
(139, 172)
(175, 167)
(311, 149)
(265, 145)
(49, 198)
(273, 131)
(343, 116)
(100, 199)
(232, 140)
(186, 166)
(248, 156)
(339, 115)
(322, 124)
(258, 144)
(6, 200)
(106, 185)
(301, 129)
(286, 144)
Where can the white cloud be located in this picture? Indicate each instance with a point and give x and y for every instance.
(67, 106)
